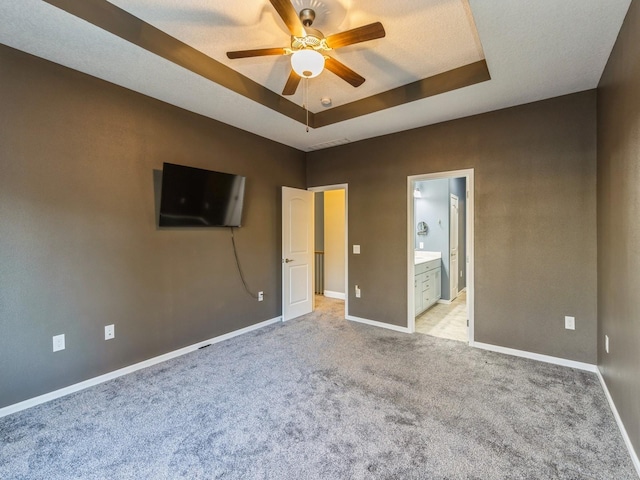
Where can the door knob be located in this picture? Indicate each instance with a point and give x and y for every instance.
(287, 260)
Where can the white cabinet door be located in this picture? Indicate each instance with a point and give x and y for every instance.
(417, 293)
(426, 290)
(427, 287)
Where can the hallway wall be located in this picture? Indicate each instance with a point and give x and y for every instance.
(334, 232)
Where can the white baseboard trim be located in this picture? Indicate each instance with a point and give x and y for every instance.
(536, 356)
(623, 431)
(448, 302)
(330, 294)
(32, 402)
(374, 323)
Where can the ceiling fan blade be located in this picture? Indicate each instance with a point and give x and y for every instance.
(356, 35)
(344, 72)
(289, 16)
(292, 83)
(260, 52)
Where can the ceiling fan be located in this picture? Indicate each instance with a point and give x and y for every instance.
(309, 46)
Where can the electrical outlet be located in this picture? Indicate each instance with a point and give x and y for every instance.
(606, 343)
(421, 245)
(570, 323)
(357, 291)
(260, 296)
(356, 249)
(58, 343)
(109, 332)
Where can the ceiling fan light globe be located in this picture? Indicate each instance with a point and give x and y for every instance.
(307, 63)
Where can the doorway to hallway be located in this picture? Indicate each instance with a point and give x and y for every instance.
(331, 260)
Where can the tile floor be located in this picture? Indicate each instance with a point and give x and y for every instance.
(446, 320)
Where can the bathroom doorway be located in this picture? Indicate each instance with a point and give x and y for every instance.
(440, 254)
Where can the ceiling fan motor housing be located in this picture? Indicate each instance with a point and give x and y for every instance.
(314, 39)
(307, 16)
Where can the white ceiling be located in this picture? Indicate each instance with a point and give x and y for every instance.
(534, 49)
(444, 27)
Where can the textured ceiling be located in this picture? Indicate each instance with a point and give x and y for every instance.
(423, 39)
(534, 50)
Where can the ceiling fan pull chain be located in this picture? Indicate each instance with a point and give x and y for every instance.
(306, 99)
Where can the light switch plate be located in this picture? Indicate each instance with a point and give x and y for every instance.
(58, 343)
(356, 249)
(109, 332)
(570, 323)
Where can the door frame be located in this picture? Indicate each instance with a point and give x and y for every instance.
(454, 278)
(345, 187)
(468, 174)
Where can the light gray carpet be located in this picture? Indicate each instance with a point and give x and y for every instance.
(323, 398)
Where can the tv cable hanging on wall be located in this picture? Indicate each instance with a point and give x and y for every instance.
(235, 254)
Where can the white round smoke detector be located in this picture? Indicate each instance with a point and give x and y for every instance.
(325, 101)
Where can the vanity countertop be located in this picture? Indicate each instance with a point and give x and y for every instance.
(422, 256)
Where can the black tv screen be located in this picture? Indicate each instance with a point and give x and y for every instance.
(193, 197)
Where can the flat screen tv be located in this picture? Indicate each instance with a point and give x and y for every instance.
(193, 197)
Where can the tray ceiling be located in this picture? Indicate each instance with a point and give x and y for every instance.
(533, 50)
(423, 39)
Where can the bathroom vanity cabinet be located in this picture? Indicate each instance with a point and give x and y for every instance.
(427, 284)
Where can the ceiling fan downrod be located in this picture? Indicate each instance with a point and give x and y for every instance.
(307, 16)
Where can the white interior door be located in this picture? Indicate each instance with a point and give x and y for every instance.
(297, 252)
(453, 242)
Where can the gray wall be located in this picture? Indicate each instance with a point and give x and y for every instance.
(619, 224)
(535, 224)
(79, 246)
(433, 208)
